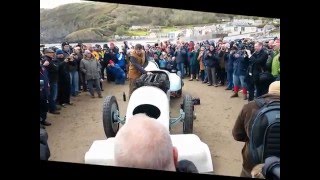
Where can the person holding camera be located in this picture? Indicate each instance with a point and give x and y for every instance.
(230, 70)
(64, 85)
(52, 67)
(74, 75)
(78, 57)
(221, 71)
(180, 57)
(257, 65)
(212, 60)
(240, 66)
(194, 63)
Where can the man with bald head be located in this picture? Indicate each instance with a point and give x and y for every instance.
(145, 143)
(257, 64)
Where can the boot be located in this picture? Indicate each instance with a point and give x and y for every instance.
(234, 95)
(244, 91)
(191, 78)
(54, 112)
(45, 123)
(100, 96)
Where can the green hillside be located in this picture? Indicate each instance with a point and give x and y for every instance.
(94, 21)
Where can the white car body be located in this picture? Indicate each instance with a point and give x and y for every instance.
(189, 146)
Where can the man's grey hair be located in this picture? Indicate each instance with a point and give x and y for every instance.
(144, 143)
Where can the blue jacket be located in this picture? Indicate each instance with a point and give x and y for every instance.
(240, 65)
(231, 60)
(162, 64)
(121, 62)
(118, 73)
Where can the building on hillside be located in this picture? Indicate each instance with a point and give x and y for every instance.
(242, 21)
(258, 22)
(152, 35)
(268, 27)
(139, 27)
(173, 35)
(239, 29)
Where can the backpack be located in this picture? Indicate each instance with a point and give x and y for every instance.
(265, 131)
(44, 147)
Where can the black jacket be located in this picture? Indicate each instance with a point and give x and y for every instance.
(181, 55)
(78, 60)
(257, 63)
(108, 55)
(72, 66)
(64, 76)
(213, 60)
(53, 69)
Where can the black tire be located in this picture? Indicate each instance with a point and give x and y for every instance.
(110, 125)
(188, 109)
(179, 93)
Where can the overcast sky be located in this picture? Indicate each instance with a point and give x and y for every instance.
(48, 4)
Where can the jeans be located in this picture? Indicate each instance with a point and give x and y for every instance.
(212, 78)
(53, 96)
(239, 81)
(180, 67)
(202, 74)
(83, 81)
(230, 79)
(205, 74)
(96, 83)
(43, 110)
(74, 80)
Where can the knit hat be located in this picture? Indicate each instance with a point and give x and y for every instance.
(274, 88)
(64, 43)
(59, 51)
